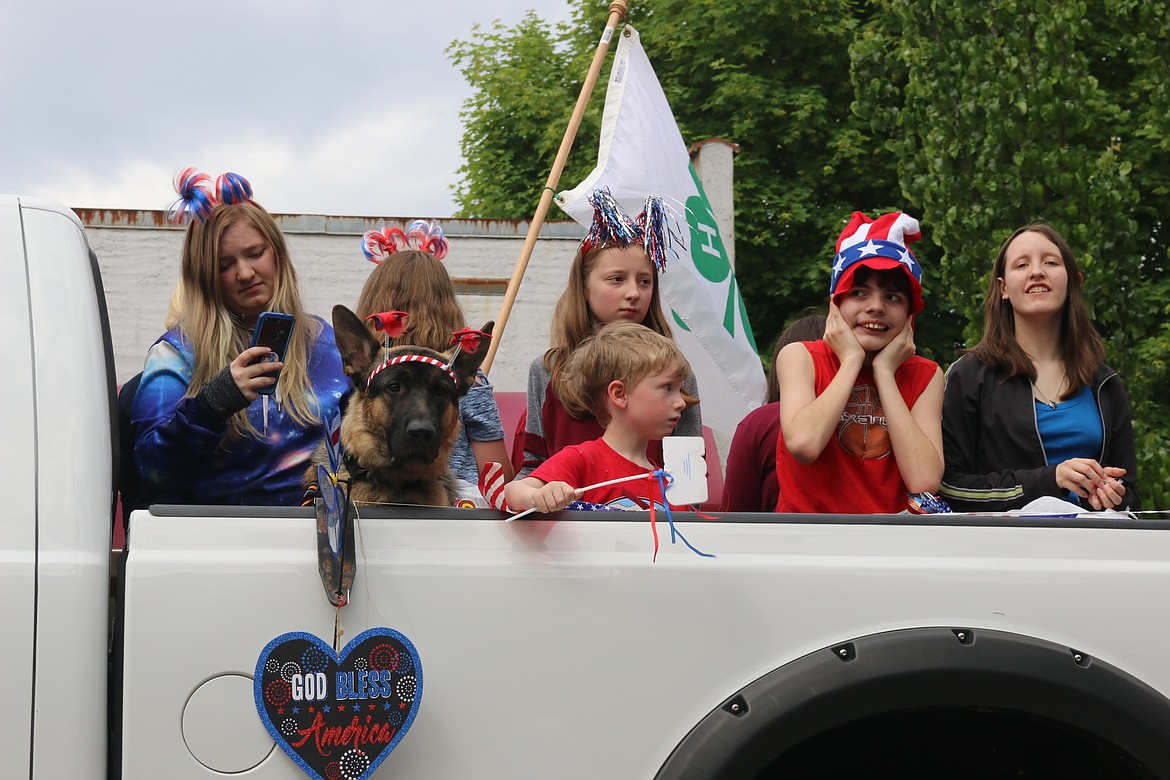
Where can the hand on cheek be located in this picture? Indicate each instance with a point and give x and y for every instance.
(900, 349)
(840, 336)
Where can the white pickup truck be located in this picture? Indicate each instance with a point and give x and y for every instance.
(809, 646)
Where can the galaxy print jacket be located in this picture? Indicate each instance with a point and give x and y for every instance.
(183, 449)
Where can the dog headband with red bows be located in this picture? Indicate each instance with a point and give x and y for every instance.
(197, 201)
(466, 340)
(430, 361)
(377, 245)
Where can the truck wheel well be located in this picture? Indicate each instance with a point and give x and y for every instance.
(951, 683)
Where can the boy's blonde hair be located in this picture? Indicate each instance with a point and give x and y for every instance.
(620, 351)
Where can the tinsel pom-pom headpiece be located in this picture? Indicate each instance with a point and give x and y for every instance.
(232, 188)
(611, 225)
(420, 234)
(196, 199)
(657, 235)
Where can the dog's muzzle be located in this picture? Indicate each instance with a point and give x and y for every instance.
(418, 439)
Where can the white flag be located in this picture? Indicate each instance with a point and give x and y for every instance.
(642, 153)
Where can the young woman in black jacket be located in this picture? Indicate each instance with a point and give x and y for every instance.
(1033, 410)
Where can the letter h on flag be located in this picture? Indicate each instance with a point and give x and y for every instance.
(642, 153)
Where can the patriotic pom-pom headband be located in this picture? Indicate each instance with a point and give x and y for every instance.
(196, 198)
(426, 236)
(652, 228)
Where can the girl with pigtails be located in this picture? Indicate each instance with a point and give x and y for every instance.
(204, 432)
(409, 299)
(613, 278)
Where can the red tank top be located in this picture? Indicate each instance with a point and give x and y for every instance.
(856, 473)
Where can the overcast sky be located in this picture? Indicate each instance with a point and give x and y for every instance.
(327, 107)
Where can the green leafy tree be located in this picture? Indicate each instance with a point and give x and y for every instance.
(1004, 112)
(974, 117)
(526, 79)
(772, 77)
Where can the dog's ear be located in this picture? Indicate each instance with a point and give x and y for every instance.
(357, 345)
(467, 362)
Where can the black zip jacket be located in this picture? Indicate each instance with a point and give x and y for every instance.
(995, 460)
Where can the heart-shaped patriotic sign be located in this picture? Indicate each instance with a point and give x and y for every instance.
(338, 717)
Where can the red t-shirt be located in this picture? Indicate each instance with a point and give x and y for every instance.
(562, 429)
(856, 473)
(595, 461)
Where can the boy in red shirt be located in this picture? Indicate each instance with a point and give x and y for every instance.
(861, 422)
(631, 379)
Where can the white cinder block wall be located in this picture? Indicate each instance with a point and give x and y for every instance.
(138, 253)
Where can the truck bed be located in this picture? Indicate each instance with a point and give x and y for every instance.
(560, 648)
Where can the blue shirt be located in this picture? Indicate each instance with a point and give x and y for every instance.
(481, 422)
(1071, 430)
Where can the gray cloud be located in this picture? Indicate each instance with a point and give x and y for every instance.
(336, 108)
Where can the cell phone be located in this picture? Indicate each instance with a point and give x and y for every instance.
(273, 330)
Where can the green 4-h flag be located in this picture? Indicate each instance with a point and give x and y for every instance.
(642, 153)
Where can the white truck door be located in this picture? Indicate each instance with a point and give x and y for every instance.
(66, 458)
(18, 520)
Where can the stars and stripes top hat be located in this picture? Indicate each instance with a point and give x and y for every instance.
(880, 244)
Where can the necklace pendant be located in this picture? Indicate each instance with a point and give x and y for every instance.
(1052, 405)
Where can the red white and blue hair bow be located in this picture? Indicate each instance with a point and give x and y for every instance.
(425, 236)
(377, 245)
(428, 237)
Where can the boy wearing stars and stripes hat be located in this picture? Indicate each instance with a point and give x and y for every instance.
(860, 412)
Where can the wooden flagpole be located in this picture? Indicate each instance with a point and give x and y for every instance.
(617, 11)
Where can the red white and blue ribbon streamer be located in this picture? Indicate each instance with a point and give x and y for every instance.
(675, 534)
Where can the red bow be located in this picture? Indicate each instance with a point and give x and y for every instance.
(392, 323)
(468, 339)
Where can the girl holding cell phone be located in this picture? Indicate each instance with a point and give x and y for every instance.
(212, 424)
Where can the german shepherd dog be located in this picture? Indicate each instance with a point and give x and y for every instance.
(402, 419)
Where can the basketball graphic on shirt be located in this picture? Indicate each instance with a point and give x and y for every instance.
(862, 430)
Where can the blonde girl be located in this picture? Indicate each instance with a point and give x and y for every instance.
(203, 431)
